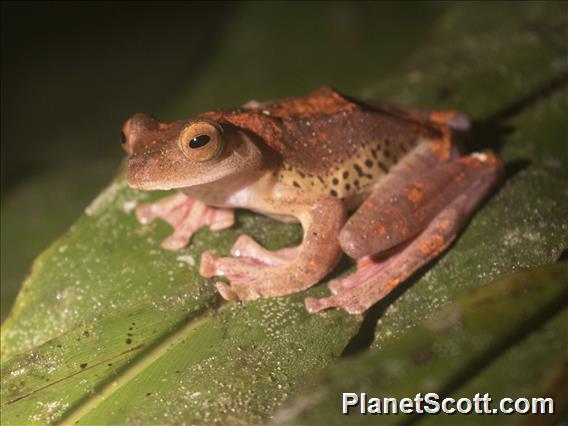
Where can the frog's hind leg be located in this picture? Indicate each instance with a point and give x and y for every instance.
(461, 185)
(186, 215)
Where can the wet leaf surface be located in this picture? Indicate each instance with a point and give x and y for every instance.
(109, 328)
(451, 347)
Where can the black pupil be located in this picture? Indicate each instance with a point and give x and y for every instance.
(122, 138)
(199, 141)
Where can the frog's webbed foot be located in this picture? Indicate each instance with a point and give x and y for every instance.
(186, 215)
(458, 187)
(255, 272)
(249, 263)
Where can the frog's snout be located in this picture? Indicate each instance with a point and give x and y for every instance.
(134, 128)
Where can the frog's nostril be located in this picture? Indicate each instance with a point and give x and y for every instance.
(126, 140)
(142, 122)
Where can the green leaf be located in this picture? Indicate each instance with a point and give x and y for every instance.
(450, 347)
(109, 328)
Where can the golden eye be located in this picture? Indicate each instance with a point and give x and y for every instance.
(202, 141)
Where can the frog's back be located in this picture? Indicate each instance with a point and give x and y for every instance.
(330, 143)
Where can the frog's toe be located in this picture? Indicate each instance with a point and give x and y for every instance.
(175, 242)
(352, 306)
(245, 246)
(243, 273)
(207, 265)
(238, 291)
(226, 291)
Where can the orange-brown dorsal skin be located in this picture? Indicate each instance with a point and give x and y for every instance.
(323, 143)
(330, 143)
(316, 133)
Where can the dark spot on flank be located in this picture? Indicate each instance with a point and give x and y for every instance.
(369, 176)
(129, 334)
(149, 393)
(347, 187)
(345, 175)
(86, 333)
(321, 179)
(84, 365)
(128, 341)
(133, 323)
(374, 153)
(110, 364)
(387, 153)
(129, 328)
(333, 192)
(301, 174)
(356, 183)
(335, 181)
(296, 184)
(369, 163)
(383, 167)
(358, 169)
(58, 346)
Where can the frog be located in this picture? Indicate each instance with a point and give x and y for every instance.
(391, 187)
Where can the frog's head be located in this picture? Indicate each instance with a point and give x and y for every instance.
(186, 153)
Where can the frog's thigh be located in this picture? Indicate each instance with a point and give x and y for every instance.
(375, 279)
(402, 205)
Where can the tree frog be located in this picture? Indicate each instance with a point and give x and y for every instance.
(315, 160)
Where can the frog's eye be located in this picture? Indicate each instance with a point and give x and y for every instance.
(202, 141)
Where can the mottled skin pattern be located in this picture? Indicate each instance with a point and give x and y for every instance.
(328, 143)
(313, 159)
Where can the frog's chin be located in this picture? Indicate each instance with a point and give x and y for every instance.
(147, 179)
(225, 182)
(156, 185)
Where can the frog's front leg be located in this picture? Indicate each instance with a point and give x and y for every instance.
(255, 272)
(454, 190)
(186, 215)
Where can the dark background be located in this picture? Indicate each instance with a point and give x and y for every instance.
(73, 72)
